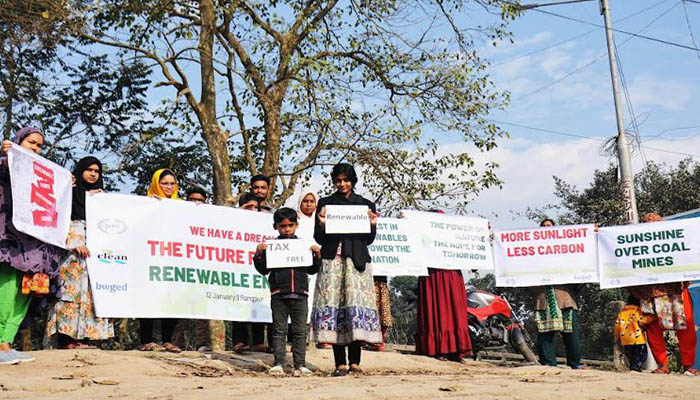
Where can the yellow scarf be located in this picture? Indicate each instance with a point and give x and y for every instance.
(155, 190)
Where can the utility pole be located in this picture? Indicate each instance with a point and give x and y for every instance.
(623, 150)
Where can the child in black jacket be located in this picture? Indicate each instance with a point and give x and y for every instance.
(290, 296)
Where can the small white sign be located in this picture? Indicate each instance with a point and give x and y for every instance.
(287, 253)
(347, 219)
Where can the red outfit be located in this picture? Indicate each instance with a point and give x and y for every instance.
(686, 337)
(442, 314)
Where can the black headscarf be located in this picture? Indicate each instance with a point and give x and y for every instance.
(78, 210)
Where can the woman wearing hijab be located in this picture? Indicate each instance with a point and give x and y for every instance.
(73, 316)
(344, 311)
(306, 211)
(26, 263)
(163, 186)
(443, 331)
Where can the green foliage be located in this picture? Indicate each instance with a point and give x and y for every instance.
(290, 87)
(404, 305)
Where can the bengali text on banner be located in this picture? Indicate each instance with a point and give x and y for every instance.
(41, 196)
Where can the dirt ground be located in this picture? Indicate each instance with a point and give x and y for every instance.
(96, 374)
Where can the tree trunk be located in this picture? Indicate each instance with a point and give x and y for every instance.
(215, 137)
(273, 137)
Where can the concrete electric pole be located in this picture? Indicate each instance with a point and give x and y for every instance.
(623, 149)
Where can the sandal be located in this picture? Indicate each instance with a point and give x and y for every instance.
(355, 369)
(662, 370)
(79, 346)
(171, 348)
(691, 371)
(340, 372)
(151, 347)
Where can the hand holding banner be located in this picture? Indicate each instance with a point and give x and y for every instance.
(546, 256)
(347, 219)
(453, 241)
(41, 196)
(643, 254)
(287, 253)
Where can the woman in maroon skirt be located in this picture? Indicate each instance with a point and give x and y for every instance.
(443, 330)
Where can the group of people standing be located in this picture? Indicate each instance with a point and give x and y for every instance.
(350, 307)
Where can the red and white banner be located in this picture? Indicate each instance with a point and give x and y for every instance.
(546, 256)
(41, 196)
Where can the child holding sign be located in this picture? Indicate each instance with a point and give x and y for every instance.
(290, 291)
(629, 332)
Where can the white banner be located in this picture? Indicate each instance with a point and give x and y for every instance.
(546, 256)
(175, 259)
(41, 196)
(643, 254)
(397, 250)
(286, 253)
(347, 219)
(452, 241)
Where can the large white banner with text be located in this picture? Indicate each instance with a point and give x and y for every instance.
(41, 196)
(167, 258)
(644, 254)
(546, 256)
(397, 249)
(452, 241)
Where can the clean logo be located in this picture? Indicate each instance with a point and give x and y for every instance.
(108, 257)
(112, 226)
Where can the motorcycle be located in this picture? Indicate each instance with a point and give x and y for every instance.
(493, 325)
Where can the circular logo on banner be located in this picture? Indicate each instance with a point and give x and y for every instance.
(112, 226)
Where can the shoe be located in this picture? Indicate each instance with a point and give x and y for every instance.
(302, 371)
(276, 370)
(691, 371)
(204, 349)
(8, 358)
(24, 357)
(355, 369)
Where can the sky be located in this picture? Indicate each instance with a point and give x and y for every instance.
(561, 111)
(566, 88)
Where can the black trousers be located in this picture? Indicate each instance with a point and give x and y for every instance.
(167, 327)
(354, 353)
(636, 354)
(296, 309)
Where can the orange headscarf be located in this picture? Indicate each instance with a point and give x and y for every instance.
(155, 190)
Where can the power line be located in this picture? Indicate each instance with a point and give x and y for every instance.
(581, 136)
(690, 29)
(577, 36)
(618, 30)
(600, 57)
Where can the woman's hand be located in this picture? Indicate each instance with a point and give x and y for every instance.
(6, 146)
(316, 251)
(372, 218)
(82, 251)
(73, 180)
(322, 216)
(261, 247)
(95, 191)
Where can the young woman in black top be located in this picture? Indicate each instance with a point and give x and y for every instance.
(344, 311)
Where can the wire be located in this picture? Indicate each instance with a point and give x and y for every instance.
(585, 137)
(690, 28)
(618, 30)
(600, 57)
(578, 36)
